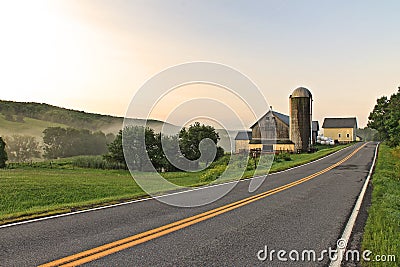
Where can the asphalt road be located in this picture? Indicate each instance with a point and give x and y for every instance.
(306, 216)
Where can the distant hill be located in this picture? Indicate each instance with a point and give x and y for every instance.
(31, 127)
(29, 118)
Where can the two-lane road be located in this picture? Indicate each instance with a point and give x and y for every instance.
(304, 208)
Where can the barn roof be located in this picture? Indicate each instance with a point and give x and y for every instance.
(340, 122)
(284, 118)
(243, 136)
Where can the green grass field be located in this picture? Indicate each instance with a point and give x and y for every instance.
(28, 192)
(382, 230)
(31, 127)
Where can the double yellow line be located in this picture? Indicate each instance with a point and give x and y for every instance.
(102, 251)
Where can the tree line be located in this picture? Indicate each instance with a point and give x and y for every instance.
(57, 143)
(185, 147)
(385, 118)
(68, 142)
(139, 141)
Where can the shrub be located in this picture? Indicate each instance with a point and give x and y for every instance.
(282, 157)
(212, 174)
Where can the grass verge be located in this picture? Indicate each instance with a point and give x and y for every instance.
(30, 192)
(299, 159)
(382, 229)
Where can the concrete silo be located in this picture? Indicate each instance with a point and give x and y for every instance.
(300, 103)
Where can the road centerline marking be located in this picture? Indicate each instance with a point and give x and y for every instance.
(122, 244)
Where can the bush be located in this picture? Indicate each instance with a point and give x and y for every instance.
(282, 157)
(212, 174)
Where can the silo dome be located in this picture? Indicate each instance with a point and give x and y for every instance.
(302, 92)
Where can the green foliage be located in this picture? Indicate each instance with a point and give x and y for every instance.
(382, 230)
(189, 142)
(115, 151)
(21, 148)
(282, 157)
(3, 153)
(385, 118)
(139, 142)
(60, 142)
(95, 162)
(84, 162)
(215, 169)
(368, 134)
(212, 174)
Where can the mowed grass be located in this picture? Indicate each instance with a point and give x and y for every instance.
(31, 192)
(382, 230)
(28, 192)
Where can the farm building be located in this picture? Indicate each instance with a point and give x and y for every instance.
(275, 131)
(242, 140)
(315, 129)
(261, 136)
(271, 133)
(344, 130)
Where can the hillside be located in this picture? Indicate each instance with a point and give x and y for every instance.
(31, 127)
(32, 118)
(20, 111)
(28, 118)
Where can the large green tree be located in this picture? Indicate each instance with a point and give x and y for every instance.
(385, 118)
(115, 150)
(190, 139)
(137, 141)
(3, 153)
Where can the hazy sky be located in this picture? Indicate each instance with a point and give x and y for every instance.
(94, 55)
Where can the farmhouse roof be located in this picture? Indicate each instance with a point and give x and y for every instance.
(340, 123)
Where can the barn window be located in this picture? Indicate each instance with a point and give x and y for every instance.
(348, 135)
(340, 135)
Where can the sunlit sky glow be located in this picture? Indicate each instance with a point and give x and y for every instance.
(94, 55)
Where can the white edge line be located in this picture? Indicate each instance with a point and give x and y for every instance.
(165, 195)
(350, 224)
